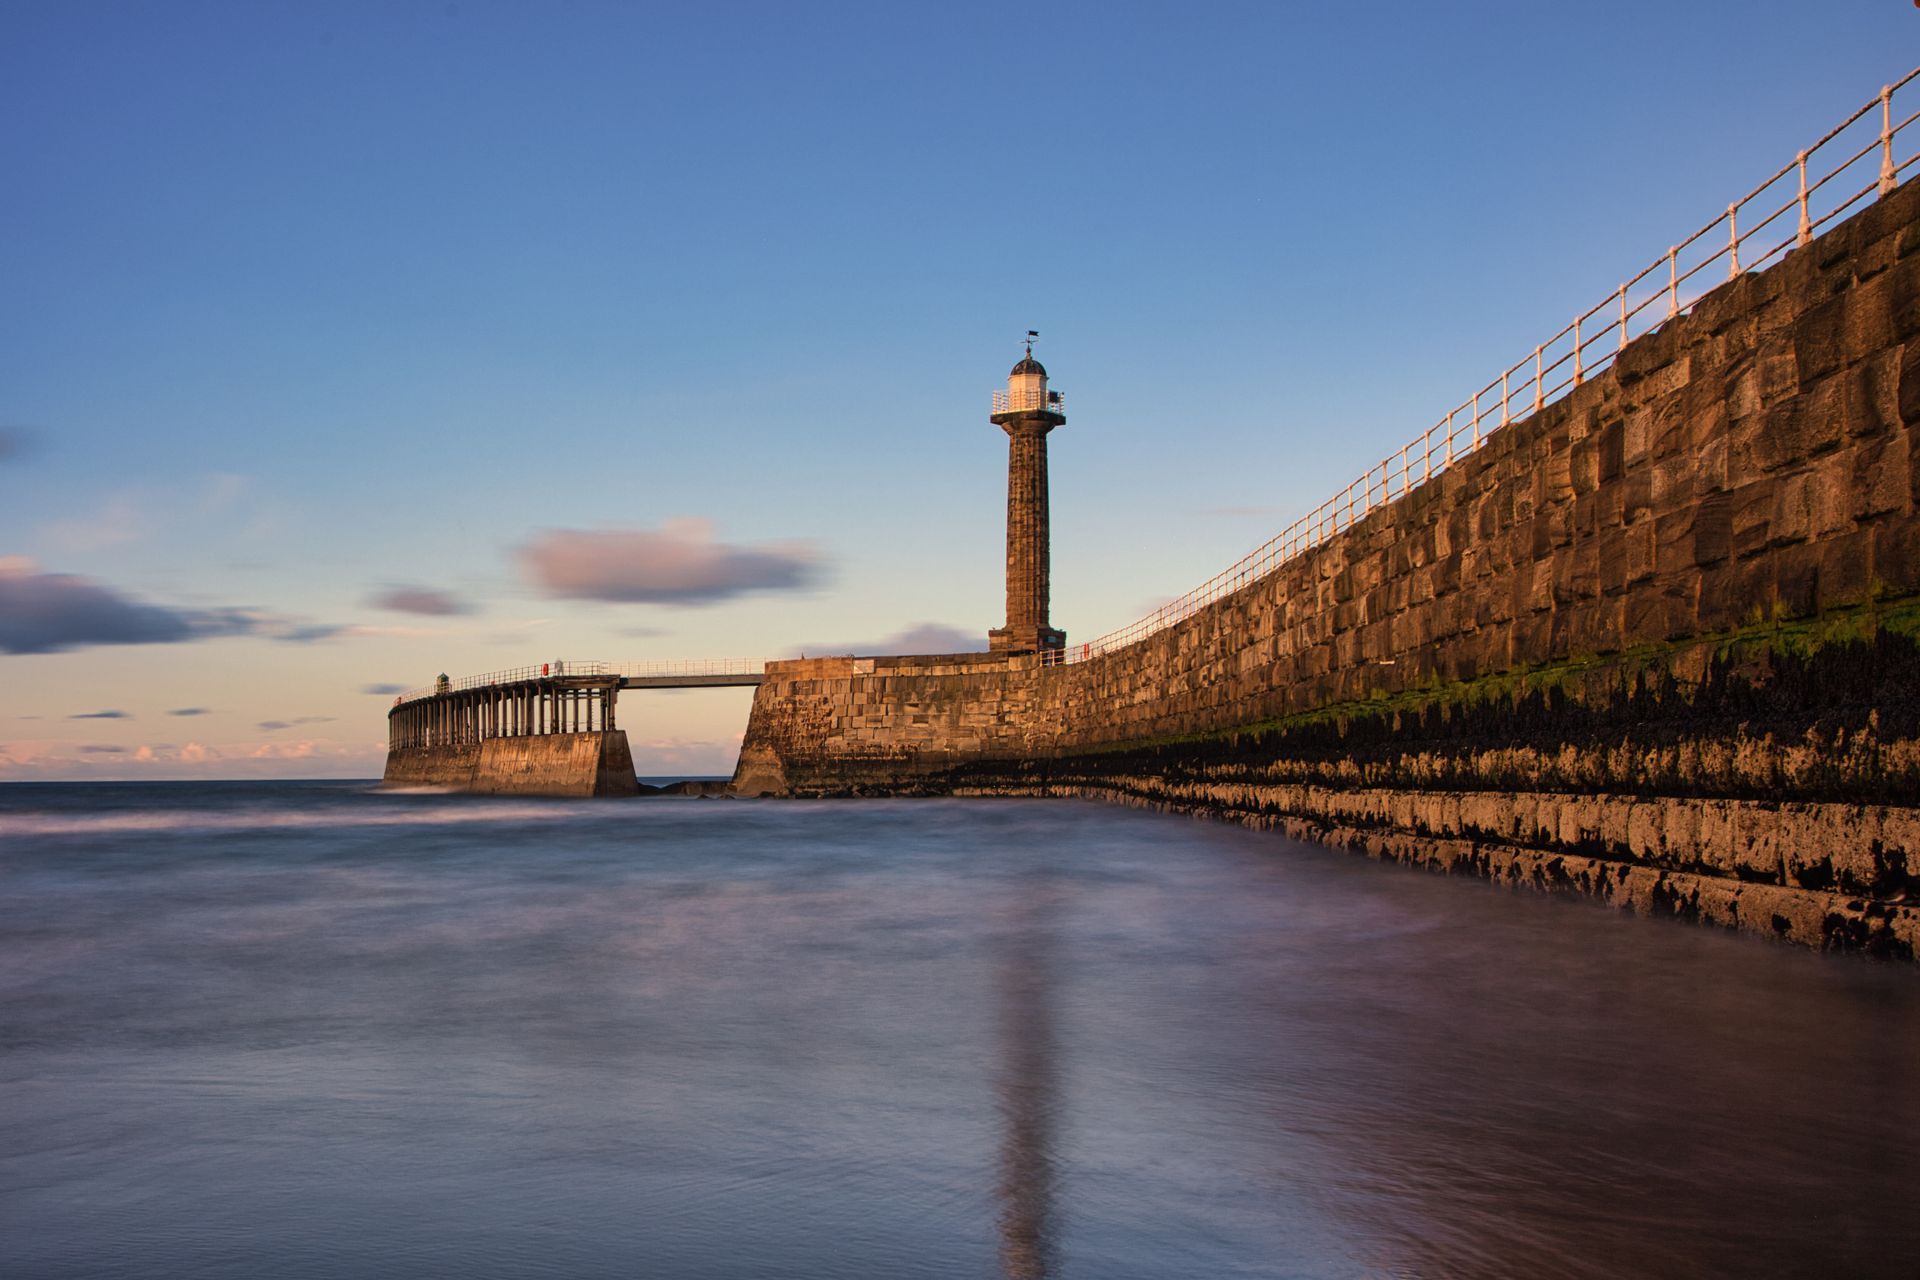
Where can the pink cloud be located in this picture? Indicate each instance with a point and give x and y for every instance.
(429, 601)
(319, 757)
(678, 563)
(922, 637)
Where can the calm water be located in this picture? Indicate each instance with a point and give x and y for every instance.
(308, 1030)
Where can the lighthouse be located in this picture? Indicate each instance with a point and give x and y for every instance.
(1027, 411)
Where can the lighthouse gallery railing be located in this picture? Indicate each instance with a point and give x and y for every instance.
(1746, 237)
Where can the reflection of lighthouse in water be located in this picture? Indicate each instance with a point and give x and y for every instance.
(1027, 1087)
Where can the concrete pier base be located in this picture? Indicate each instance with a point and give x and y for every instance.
(544, 764)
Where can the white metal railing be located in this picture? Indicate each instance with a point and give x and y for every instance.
(571, 667)
(1864, 145)
(1026, 399)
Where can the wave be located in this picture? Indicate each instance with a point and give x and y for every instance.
(171, 820)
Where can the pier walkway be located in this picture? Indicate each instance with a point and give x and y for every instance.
(553, 697)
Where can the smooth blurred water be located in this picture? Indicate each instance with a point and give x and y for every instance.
(311, 1030)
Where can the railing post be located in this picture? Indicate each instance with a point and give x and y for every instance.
(1888, 177)
(1806, 224)
(1623, 318)
(1506, 400)
(1539, 379)
(1577, 370)
(1733, 242)
(1673, 282)
(1476, 427)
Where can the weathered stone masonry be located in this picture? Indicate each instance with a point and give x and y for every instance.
(548, 764)
(543, 736)
(1030, 413)
(1654, 643)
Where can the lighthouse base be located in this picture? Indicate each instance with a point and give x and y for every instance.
(1012, 640)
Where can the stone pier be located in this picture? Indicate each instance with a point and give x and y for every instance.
(546, 735)
(1657, 642)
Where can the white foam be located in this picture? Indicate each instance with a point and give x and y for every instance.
(164, 820)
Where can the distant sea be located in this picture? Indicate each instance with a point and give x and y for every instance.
(314, 1030)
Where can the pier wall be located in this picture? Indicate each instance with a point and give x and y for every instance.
(547, 764)
(1654, 642)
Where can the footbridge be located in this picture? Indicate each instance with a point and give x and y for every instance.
(565, 696)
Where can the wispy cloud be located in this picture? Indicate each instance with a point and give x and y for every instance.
(279, 758)
(516, 632)
(119, 519)
(429, 601)
(683, 756)
(221, 491)
(284, 751)
(308, 632)
(55, 612)
(101, 715)
(383, 690)
(679, 563)
(191, 711)
(143, 511)
(274, 726)
(50, 612)
(922, 637)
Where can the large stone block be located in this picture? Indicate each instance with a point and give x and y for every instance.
(1902, 284)
(1796, 578)
(1846, 568)
(1881, 479)
(1791, 520)
(1819, 339)
(1779, 371)
(1712, 528)
(1896, 557)
(1751, 508)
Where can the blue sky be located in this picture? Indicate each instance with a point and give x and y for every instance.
(304, 305)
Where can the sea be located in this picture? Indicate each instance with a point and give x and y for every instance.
(300, 1030)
